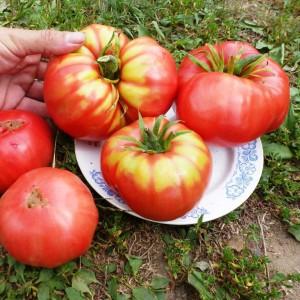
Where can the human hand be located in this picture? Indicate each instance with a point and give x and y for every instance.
(21, 68)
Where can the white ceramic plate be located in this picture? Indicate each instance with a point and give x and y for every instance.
(235, 175)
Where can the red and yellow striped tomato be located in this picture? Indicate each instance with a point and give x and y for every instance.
(90, 93)
(159, 168)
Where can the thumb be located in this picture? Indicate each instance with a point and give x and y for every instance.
(45, 42)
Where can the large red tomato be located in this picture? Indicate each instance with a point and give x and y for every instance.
(47, 217)
(26, 143)
(232, 94)
(160, 169)
(90, 93)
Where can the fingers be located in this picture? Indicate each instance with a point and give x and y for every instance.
(41, 70)
(36, 90)
(32, 105)
(46, 42)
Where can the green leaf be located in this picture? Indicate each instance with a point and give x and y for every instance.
(142, 30)
(159, 283)
(11, 261)
(87, 262)
(197, 280)
(112, 286)
(294, 92)
(277, 150)
(68, 267)
(110, 268)
(56, 283)
(45, 275)
(290, 121)
(12, 278)
(2, 287)
(82, 279)
(253, 26)
(221, 294)
(87, 276)
(158, 30)
(160, 295)
(263, 45)
(294, 230)
(278, 277)
(73, 294)
(142, 293)
(122, 297)
(134, 263)
(278, 54)
(80, 285)
(186, 260)
(20, 268)
(43, 292)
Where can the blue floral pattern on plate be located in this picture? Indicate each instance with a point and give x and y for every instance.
(98, 178)
(244, 169)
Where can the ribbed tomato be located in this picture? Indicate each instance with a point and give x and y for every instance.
(159, 168)
(230, 94)
(26, 143)
(90, 93)
(47, 217)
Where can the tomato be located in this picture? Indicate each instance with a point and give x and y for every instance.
(231, 95)
(26, 143)
(148, 78)
(47, 217)
(161, 174)
(90, 93)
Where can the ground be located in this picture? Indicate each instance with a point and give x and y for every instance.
(248, 254)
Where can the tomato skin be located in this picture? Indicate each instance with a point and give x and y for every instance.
(148, 78)
(161, 186)
(87, 106)
(79, 100)
(51, 233)
(24, 148)
(229, 110)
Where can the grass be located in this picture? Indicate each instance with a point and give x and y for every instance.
(133, 259)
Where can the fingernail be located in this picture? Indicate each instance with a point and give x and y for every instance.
(75, 37)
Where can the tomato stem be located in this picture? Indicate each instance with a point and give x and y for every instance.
(236, 65)
(109, 68)
(108, 61)
(155, 140)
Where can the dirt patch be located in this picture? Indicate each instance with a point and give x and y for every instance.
(283, 250)
(284, 253)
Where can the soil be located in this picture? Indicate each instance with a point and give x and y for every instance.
(284, 253)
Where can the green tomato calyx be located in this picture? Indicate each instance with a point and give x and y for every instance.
(156, 139)
(236, 65)
(108, 61)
